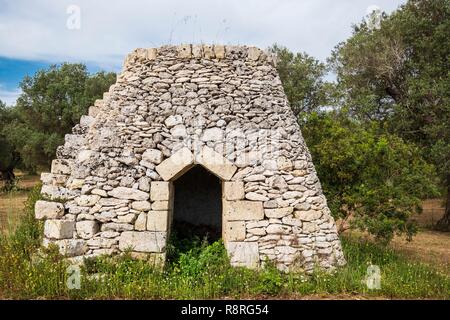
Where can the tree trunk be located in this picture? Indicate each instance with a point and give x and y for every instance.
(444, 223)
(8, 176)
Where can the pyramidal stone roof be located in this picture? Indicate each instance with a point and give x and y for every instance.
(221, 107)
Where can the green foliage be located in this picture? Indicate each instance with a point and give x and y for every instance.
(302, 78)
(8, 157)
(374, 180)
(52, 102)
(399, 75)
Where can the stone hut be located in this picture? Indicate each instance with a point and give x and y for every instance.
(195, 134)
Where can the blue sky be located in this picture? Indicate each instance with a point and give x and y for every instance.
(35, 34)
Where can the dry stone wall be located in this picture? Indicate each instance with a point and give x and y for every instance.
(223, 107)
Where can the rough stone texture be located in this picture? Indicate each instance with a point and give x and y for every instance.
(48, 210)
(70, 247)
(243, 254)
(157, 220)
(243, 210)
(234, 231)
(233, 190)
(59, 229)
(128, 193)
(142, 241)
(87, 229)
(160, 191)
(216, 163)
(176, 165)
(220, 107)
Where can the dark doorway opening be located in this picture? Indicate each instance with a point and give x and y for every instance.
(197, 211)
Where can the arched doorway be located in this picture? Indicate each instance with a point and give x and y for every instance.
(197, 208)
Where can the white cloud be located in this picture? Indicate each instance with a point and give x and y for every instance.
(112, 28)
(9, 96)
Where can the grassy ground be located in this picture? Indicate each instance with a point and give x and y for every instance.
(13, 202)
(204, 272)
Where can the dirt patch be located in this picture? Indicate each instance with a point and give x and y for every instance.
(24, 181)
(431, 247)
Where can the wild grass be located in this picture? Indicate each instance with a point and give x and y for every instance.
(200, 271)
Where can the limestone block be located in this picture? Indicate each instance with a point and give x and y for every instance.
(257, 231)
(59, 229)
(309, 215)
(144, 184)
(87, 200)
(74, 183)
(179, 131)
(173, 120)
(284, 164)
(85, 155)
(99, 192)
(160, 191)
(141, 205)
(197, 51)
(278, 229)
(87, 229)
(141, 222)
(127, 218)
(142, 241)
(243, 210)
(213, 134)
(48, 210)
(112, 202)
(128, 194)
(143, 54)
(184, 51)
(114, 226)
(173, 167)
(243, 254)
(278, 213)
(161, 205)
(254, 53)
(216, 163)
(94, 110)
(219, 51)
(60, 166)
(233, 190)
(208, 52)
(309, 227)
(71, 247)
(158, 221)
(53, 179)
(153, 155)
(291, 221)
(151, 53)
(256, 196)
(234, 231)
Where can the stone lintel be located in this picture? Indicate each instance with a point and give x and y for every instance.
(175, 166)
(215, 163)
